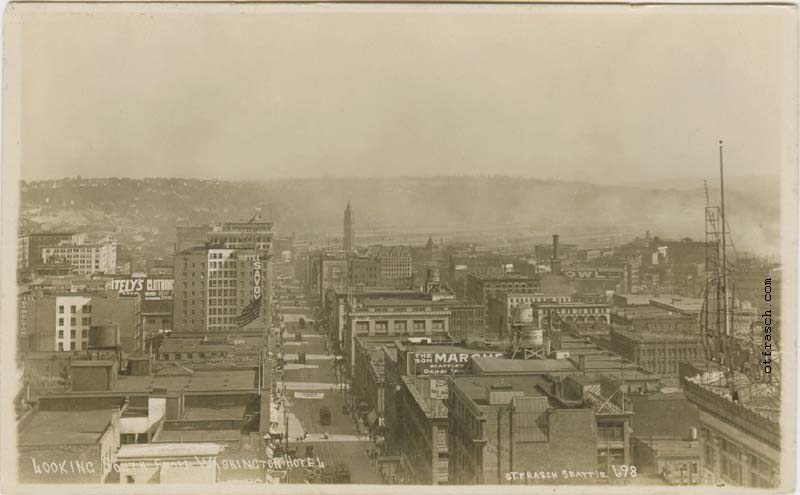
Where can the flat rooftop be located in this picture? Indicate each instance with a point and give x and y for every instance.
(442, 347)
(504, 277)
(635, 299)
(680, 304)
(192, 436)
(475, 387)
(646, 337)
(646, 312)
(198, 381)
(235, 412)
(150, 450)
(63, 427)
(399, 301)
(486, 365)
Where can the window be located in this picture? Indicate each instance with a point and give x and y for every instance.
(84, 333)
(61, 310)
(61, 322)
(87, 309)
(73, 321)
(382, 326)
(60, 346)
(610, 433)
(438, 325)
(400, 326)
(61, 334)
(72, 334)
(86, 321)
(73, 309)
(362, 326)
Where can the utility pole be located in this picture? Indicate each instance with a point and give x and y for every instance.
(511, 439)
(499, 445)
(286, 424)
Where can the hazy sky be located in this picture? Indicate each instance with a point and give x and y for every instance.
(256, 92)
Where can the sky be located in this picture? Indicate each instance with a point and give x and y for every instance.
(253, 92)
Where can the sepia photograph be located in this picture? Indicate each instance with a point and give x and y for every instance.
(404, 247)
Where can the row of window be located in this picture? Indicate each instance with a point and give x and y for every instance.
(74, 309)
(73, 321)
(174, 356)
(400, 325)
(758, 473)
(73, 334)
(75, 346)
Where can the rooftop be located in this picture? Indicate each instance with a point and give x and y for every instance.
(404, 345)
(644, 337)
(486, 365)
(475, 387)
(197, 381)
(190, 436)
(149, 450)
(63, 427)
(635, 299)
(639, 312)
(390, 251)
(85, 363)
(423, 300)
(504, 277)
(232, 412)
(686, 304)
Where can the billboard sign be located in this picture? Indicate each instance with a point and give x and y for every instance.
(256, 279)
(445, 363)
(148, 288)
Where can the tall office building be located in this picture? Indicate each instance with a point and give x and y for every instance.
(225, 277)
(349, 226)
(213, 286)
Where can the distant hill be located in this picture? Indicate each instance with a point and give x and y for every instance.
(436, 204)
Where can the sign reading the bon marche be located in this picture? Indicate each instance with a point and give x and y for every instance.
(443, 363)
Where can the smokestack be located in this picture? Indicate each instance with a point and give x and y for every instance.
(555, 263)
(555, 246)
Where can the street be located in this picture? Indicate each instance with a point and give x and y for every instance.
(308, 388)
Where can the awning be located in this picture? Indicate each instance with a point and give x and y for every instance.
(372, 418)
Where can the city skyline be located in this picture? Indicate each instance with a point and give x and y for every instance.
(408, 245)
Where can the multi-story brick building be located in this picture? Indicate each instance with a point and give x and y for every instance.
(572, 313)
(467, 319)
(652, 319)
(514, 425)
(396, 261)
(30, 245)
(740, 438)
(214, 285)
(416, 403)
(480, 289)
(501, 307)
(254, 234)
(657, 352)
(85, 259)
(365, 271)
(394, 316)
(62, 321)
